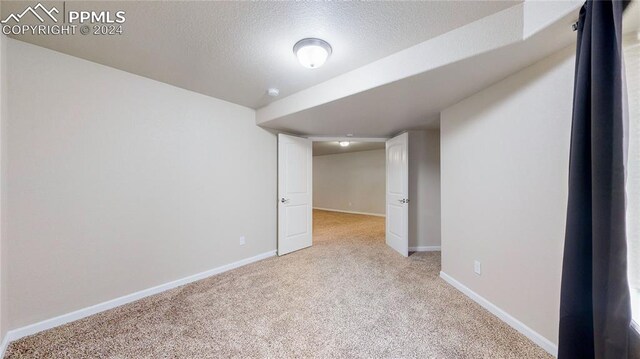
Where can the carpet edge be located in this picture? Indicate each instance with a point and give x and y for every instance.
(46, 324)
(534, 336)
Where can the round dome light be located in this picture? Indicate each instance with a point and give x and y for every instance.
(312, 53)
(273, 92)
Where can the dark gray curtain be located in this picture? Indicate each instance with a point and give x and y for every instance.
(595, 310)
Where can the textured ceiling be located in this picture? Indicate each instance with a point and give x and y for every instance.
(409, 89)
(332, 147)
(236, 50)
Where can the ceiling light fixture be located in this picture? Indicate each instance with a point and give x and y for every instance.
(312, 53)
(273, 92)
(344, 143)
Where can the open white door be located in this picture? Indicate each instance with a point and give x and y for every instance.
(295, 216)
(398, 194)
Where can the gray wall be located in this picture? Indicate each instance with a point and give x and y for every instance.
(119, 183)
(353, 181)
(505, 154)
(424, 189)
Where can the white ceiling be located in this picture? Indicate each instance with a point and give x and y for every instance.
(332, 147)
(408, 90)
(236, 50)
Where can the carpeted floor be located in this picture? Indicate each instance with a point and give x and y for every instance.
(347, 296)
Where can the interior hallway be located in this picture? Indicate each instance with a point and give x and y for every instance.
(347, 296)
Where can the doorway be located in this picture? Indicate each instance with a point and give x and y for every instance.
(349, 183)
(343, 185)
(396, 180)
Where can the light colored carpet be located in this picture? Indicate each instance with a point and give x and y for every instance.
(347, 296)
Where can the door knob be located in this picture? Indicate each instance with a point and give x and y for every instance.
(404, 200)
(284, 200)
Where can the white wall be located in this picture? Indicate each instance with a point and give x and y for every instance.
(353, 181)
(3, 153)
(119, 183)
(505, 154)
(631, 46)
(424, 189)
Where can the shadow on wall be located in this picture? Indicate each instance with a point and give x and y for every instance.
(424, 190)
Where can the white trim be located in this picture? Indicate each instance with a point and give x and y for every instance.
(350, 212)
(535, 337)
(110, 304)
(354, 139)
(424, 249)
(4, 345)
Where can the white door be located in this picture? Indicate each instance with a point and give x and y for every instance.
(294, 194)
(398, 194)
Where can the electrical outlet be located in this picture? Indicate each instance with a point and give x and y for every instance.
(477, 268)
(242, 241)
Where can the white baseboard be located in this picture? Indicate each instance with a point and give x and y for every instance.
(101, 307)
(350, 212)
(535, 337)
(4, 345)
(424, 249)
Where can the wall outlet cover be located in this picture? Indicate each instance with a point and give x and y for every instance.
(477, 268)
(242, 240)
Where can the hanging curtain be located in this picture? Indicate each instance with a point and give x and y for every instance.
(595, 309)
